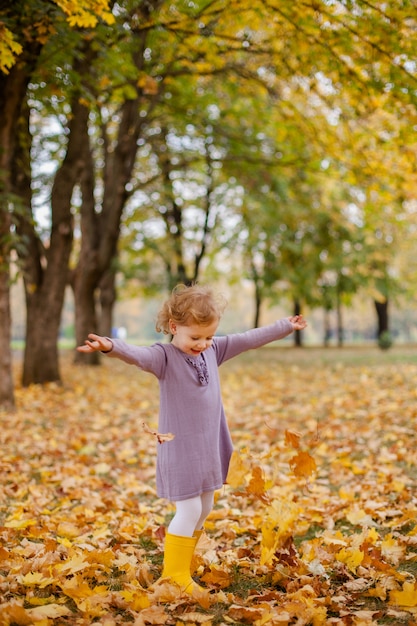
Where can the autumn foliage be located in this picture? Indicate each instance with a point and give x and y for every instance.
(316, 526)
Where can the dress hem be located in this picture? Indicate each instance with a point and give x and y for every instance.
(191, 495)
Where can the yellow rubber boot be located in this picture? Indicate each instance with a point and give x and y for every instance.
(197, 534)
(178, 553)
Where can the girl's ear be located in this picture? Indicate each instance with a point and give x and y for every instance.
(172, 327)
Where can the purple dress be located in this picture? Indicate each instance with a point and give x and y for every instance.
(197, 459)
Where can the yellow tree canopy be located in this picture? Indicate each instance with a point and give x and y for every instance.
(78, 13)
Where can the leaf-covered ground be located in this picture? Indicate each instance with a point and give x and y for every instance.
(317, 526)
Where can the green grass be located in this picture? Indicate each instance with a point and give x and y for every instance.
(346, 356)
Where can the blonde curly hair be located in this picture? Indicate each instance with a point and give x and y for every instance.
(188, 305)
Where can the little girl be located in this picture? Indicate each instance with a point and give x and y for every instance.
(194, 463)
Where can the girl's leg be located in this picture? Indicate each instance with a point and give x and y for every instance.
(187, 515)
(181, 539)
(191, 514)
(207, 503)
(180, 545)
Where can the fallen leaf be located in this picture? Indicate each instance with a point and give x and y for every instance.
(292, 438)
(406, 597)
(238, 469)
(162, 438)
(36, 579)
(303, 464)
(49, 611)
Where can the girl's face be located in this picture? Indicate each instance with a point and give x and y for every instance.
(193, 339)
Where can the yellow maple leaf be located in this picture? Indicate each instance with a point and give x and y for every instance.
(86, 14)
(75, 564)
(237, 470)
(35, 579)
(351, 557)
(277, 525)
(283, 514)
(77, 588)
(83, 20)
(373, 535)
(136, 599)
(406, 597)
(9, 50)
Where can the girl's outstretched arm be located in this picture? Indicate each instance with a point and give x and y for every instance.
(95, 343)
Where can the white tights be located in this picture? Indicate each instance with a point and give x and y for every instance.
(190, 514)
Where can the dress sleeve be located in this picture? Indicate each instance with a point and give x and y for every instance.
(230, 346)
(148, 358)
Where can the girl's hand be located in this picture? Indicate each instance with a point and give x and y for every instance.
(95, 343)
(298, 322)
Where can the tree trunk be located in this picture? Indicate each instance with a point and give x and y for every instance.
(174, 224)
(44, 276)
(6, 371)
(339, 318)
(257, 281)
(100, 231)
(258, 303)
(327, 328)
(382, 316)
(46, 281)
(298, 342)
(107, 301)
(86, 276)
(12, 92)
(208, 206)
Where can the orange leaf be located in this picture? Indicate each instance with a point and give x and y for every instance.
(292, 438)
(303, 464)
(244, 613)
(217, 576)
(152, 615)
(256, 485)
(15, 614)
